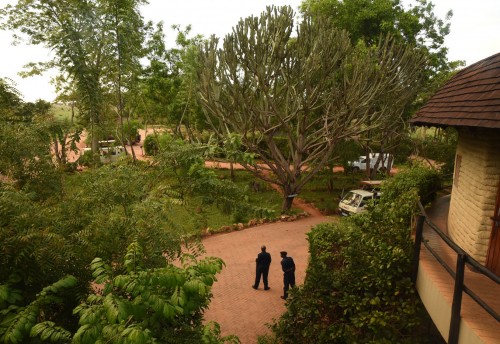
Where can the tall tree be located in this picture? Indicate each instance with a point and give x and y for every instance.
(367, 20)
(412, 22)
(72, 30)
(89, 39)
(10, 99)
(127, 35)
(169, 83)
(292, 96)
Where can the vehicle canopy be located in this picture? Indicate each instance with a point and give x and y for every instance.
(371, 184)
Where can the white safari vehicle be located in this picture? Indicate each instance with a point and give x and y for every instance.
(355, 201)
(385, 163)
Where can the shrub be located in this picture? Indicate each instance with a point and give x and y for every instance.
(131, 131)
(425, 180)
(153, 143)
(358, 287)
(441, 149)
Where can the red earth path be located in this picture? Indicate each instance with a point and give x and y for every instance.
(236, 306)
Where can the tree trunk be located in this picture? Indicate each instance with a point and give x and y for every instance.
(287, 203)
(368, 163)
(95, 143)
(231, 171)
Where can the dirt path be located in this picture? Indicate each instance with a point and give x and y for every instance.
(238, 308)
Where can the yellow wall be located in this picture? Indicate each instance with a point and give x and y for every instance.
(474, 190)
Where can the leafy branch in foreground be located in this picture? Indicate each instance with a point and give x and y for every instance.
(147, 305)
(17, 323)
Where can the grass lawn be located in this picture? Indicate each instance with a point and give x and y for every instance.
(62, 111)
(195, 215)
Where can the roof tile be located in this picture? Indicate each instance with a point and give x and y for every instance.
(471, 98)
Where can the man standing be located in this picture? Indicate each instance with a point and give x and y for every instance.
(263, 261)
(288, 267)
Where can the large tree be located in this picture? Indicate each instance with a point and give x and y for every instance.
(366, 20)
(411, 22)
(169, 82)
(92, 44)
(293, 95)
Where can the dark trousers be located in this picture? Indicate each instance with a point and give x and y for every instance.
(288, 282)
(264, 272)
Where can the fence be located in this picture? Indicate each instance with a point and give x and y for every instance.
(457, 274)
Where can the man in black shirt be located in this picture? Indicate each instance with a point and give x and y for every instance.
(263, 261)
(288, 267)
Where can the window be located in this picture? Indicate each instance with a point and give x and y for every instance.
(458, 164)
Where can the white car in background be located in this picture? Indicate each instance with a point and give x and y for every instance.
(384, 165)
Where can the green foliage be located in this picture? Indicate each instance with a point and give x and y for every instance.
(186, 163)
(212, 335)
(10, 99)
(148, 305)
(347, 150)
(441, 147)
(18, 324)
(358, 287)
(48, 331)
(168, 89)
(26, 158)
(404, 149)
(367, 20)
(156, 142)
(131, 131)
(426, 181)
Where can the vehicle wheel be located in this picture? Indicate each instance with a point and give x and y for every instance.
(382, 169)
(355, 169)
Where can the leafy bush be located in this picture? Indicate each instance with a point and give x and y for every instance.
(358, 287)
(138, 305)
(426, 181)
(148, 305)
(154, 143)
(25, 158)
(441, 148)
(131, 131)
(404, 149)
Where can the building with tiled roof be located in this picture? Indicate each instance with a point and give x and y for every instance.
(470, 102)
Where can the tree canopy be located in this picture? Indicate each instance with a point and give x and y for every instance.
(293, 95)
(367, 20)
(88, 40)
(409, 22)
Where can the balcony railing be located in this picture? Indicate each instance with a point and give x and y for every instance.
(457, 274)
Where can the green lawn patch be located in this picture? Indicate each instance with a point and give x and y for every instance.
(62, 111)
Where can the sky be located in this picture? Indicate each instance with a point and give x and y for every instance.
(475, 32)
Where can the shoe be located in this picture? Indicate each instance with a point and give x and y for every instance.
(255, 287)
(267, 288)
(284, 298)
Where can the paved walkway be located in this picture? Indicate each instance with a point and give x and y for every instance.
(238, 308)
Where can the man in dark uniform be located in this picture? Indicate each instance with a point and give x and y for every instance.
(288, 267)
(263, 261)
